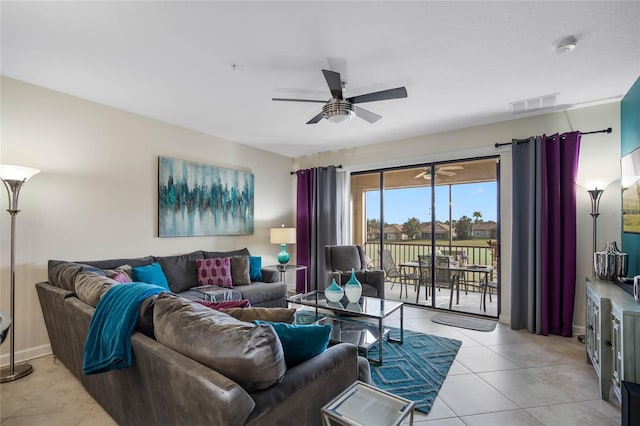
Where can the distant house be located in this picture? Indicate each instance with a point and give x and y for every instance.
(394, 233)
(487, 229)
(442, 231)
(373, 233)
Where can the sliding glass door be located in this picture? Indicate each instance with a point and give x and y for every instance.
(433, 228)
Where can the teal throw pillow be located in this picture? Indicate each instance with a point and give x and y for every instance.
(300, 342)
(255, 268)
(150, 274)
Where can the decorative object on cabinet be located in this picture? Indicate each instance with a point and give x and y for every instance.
(13, 177)
(199, 199)
(283, 236)
(610, 263)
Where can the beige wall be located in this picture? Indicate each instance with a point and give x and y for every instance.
(599, 157)
(96, 196)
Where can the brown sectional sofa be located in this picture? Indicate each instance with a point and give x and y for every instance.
(165, 387)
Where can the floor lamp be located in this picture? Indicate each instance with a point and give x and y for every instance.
(595, 212)
(13, 177)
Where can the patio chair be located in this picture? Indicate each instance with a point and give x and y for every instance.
(395, 275)
(443, 276)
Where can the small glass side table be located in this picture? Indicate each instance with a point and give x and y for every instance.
(214, 293)
(286, 268)
(365, 405)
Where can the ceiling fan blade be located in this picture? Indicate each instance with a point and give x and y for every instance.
(334, 82)
(317, 118)
(298, 100)
(419, 175)
(445, 172)
(366, 114)
(398, 92)
(450, 168)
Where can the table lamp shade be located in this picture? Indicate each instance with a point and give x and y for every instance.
(283, 236)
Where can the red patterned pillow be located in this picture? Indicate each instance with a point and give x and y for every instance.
(215, 271)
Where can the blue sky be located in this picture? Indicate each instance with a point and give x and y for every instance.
(402, 204)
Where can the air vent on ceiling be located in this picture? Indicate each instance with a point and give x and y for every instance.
(534, 104)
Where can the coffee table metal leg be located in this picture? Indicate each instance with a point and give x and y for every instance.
(401, 340)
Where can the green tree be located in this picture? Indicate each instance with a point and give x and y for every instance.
(412, 228)
(477, 216)
(463, 228)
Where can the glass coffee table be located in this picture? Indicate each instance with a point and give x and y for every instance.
(349, 323)
(214, 293)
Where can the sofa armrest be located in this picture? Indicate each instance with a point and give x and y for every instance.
(375, 278)
(307, 387)
(270, 276)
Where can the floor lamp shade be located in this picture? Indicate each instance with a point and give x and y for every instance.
(12, 178)
(283, 236)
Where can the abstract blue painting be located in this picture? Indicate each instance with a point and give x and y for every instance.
(199, 199)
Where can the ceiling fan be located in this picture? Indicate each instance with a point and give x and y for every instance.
(440, 170)
(338, 109)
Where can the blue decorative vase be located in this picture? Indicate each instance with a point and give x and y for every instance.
(353, 288)
(283, 256)
(334, 292)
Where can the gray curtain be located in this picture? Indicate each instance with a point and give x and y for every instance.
(526, 236)
(323, 224)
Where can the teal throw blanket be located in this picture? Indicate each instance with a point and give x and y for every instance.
(108, 344)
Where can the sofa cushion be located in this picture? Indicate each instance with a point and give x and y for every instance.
(212, 254)
(265, 314)
(262, 292)
(181, 271)
(255, 268)
(215, 271)
(150, 274)
(226, 304)
(240, 270)
(90, 286)
(114, 263)
(249, 354)
(63, 274)
(301, 342)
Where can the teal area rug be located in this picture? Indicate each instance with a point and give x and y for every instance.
(415, 369)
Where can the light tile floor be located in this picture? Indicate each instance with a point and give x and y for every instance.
(504, 377)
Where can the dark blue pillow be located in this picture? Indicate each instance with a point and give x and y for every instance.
(300, 342)
(255, 268)
(150, 274)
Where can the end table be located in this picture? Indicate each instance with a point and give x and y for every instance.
(365, 405)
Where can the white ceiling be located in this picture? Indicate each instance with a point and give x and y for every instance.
(461, 62)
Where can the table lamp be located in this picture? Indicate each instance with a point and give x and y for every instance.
(283, 236)
(13, 177)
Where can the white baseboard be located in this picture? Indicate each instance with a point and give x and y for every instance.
(504, 319)
(26, 354)
(578, 330)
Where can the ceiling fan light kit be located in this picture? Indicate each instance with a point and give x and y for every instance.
(337, 109)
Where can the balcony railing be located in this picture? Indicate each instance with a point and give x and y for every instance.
(406, 252)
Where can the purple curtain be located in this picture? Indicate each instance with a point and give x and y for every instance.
(558, 232)
(304, 223)
(543, 239)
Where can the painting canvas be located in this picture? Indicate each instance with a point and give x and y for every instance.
(631, 192)
(199, 199)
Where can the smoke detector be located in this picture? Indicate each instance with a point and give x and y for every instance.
(565, 45)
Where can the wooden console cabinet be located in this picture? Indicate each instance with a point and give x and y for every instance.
(612, 336)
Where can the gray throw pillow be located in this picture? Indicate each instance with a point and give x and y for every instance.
(240, 270)
(90, 286)
(249, 354)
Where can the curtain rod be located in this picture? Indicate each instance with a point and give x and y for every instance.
(339, 166)
(607, 130)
